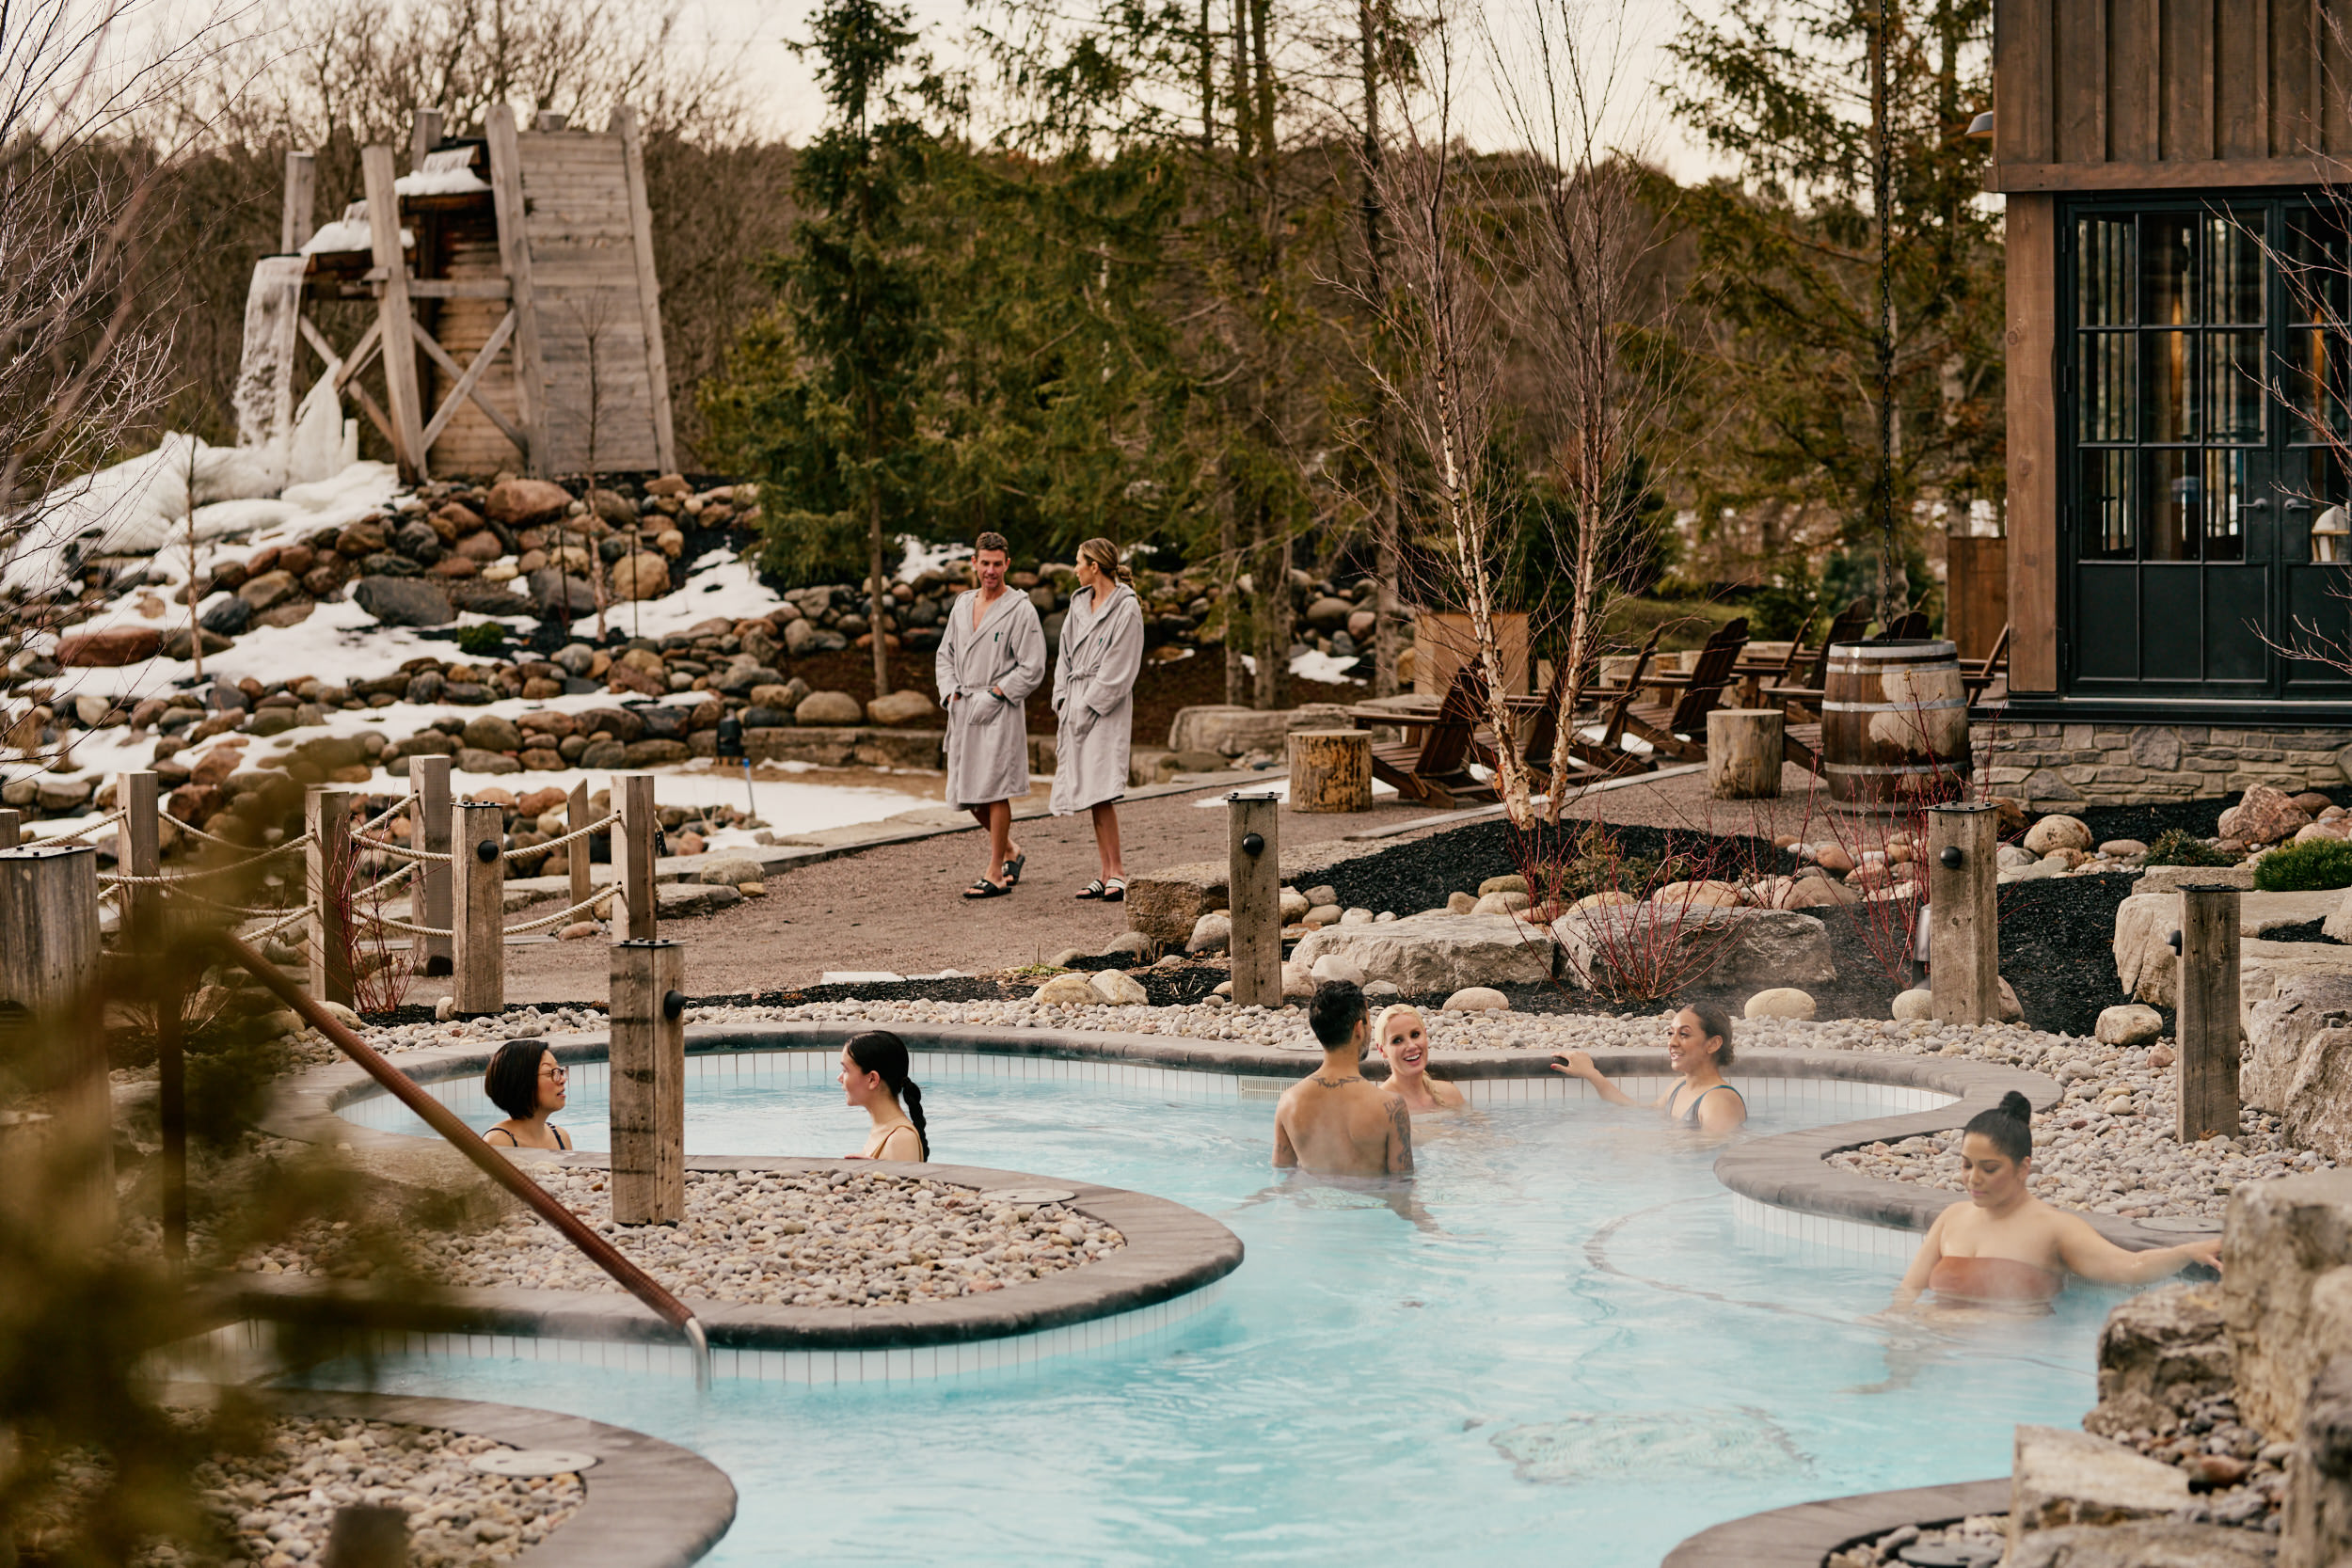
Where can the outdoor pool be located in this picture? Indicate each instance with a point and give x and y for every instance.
(1568, 1350)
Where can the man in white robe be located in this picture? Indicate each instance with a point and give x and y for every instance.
(992, 656)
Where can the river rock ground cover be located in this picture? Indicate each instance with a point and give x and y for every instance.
(276, 1506)
(767, 1238)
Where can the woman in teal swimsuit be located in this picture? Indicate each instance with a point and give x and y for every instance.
(1698, 1047)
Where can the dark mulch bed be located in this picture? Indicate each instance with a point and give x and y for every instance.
(2146, 823)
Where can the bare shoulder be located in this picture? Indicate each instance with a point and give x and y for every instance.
(1447, 1094)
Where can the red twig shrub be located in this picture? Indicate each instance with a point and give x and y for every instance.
(1650, 933)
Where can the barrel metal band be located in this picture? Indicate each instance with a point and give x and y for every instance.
(1941, 703)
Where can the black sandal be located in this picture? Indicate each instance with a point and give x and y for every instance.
(1115, 891)
(1013, 868)
(986, 888)
(1094, 890)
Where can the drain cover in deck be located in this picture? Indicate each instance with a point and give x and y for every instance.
(2185, 1224)
(1029, 1195)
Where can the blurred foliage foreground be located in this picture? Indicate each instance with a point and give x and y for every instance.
(97, 1446)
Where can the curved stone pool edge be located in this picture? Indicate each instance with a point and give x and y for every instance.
(1804, 1534)
(650, 1504)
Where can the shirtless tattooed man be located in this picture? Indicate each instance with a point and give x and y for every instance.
(1335, 1122)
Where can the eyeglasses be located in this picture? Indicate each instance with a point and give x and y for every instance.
(555, 1070)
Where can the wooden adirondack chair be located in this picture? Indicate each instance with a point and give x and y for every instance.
(1978, 674)
(1539, 749)
(1907, 628)
(1437, 770)
(1680, 730)
(1607, 756)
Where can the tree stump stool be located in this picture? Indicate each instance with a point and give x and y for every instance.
(1743, 753)
(1330, 770)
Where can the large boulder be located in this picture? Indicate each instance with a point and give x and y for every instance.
(829, 707)
(2142, 1543)
(1235, 731)
(110, 649)
(2265, 815)
(2338, 926)
(907, 706)
(2062, 1478)
(2286, 1291)
(1435, 954)
(643, 576)
(2318, 1526)
(403, 601)
(728, 870)
(2128, 1023)
(2160, 1353)
(2318, 1107)
(2150, 970)
(557, 593)
(2057, 833)
(269, 589)
(2280, 1030)
(528, 503)
(1699, 942)
(490, 732)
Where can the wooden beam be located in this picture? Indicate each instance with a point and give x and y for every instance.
(328, 863)
(2208, 1018)
(2030, 252)
(647, 1098)
(393, 314)
(1253, 891)
(49, 968)
(1963, 914)
(648, 285)
(506, 195)
(295, 227)
(478, 907)
(467, 380)
(2160, 176)
(459, 288)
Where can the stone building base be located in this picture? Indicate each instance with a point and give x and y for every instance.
(2050, 767)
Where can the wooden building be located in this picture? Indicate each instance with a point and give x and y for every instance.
(2178, 393)
(517, 318)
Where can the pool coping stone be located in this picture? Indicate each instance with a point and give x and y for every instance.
(650, 1503)
(1804, 1534)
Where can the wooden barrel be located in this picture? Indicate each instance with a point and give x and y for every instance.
(1893, 725)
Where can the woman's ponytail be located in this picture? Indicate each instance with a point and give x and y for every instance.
(878, 1051)
(911, 1097)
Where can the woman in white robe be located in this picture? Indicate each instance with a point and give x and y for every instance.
(992, 656)
(1094, 685)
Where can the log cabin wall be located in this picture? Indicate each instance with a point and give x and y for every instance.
(2118, 96)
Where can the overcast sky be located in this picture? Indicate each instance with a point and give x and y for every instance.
(752, 32)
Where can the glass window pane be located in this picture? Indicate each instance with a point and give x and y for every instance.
(2172, 510)
(2104, 505)
(2227, 491)
(2235, 399)
(2316, 375)
(2103, 276)
(2166, 244)
(2233, 268)
(2109, 378)
(2168, 390)
(2317, 490)
(2317, 260)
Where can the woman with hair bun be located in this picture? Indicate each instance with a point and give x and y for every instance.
(874, 1078)
(2004, 1247)
(1094, 688)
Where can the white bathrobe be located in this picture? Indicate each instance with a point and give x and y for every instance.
(988, 737)
(1094, 685)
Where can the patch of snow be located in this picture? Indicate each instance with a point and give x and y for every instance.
(1311, 666)
(440, 181)
(921, 557)
(717, 584)
(1280, 789)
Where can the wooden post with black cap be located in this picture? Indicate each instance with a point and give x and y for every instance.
(2207, 1066)
(1963, 921)
(478, 906)
(648, 1058)
(1254, 898)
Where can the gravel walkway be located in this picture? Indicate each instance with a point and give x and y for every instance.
(769, 1238)
(279, 1505)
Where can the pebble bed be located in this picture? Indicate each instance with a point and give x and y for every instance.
(277, 1505)
(768, 1238)
(1985, 1536)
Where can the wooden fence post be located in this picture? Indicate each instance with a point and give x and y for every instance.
(9, 828)
(428, 779)
(576, 818)
(1964, 918)
(138, 852)
(365, 1536)
(633, 856)
(648, 1098)
(328, 863)
(478, 907)
(2208, 1017)
(1254, 881)
(49, 989)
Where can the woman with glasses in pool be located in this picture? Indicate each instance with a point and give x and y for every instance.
(526, 1082)
(1404, 1039)
(1698, 1047)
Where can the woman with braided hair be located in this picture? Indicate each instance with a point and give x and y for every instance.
(874, 1078)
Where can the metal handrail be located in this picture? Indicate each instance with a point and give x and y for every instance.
(636, 1281)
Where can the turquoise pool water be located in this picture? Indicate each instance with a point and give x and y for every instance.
(1570, 1353)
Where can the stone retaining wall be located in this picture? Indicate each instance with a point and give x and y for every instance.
(2054, 767)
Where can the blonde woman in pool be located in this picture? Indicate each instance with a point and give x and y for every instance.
(1404, 1039)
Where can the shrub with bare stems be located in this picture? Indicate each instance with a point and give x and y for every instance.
(1654, 926)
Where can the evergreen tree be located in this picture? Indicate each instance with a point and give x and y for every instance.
(1837, 173)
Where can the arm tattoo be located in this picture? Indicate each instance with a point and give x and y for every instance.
(1401, 1124)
